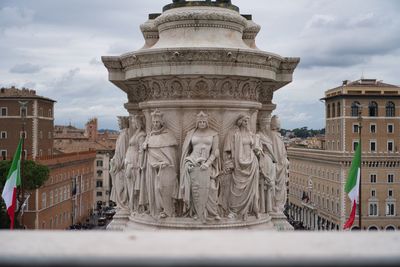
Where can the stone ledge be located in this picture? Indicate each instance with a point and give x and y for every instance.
(199, 248)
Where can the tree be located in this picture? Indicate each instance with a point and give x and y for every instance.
(34, 176)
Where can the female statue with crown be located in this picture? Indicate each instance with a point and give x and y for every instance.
(160, 168)
(200, 167)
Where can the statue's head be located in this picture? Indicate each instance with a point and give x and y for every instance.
(202, 120)
(275, 123)
(157, 121)
(264, 121)
(243, 121)
(137, 121)
(123, 122)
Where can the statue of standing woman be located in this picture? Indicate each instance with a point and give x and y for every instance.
(160, 168)
(241, 160)
(119, 192)
(134, 158)
(200, 167)
(282, 165)
(267, 164)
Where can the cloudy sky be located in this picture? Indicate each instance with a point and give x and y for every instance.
(54, 47)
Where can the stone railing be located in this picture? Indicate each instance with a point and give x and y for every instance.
(199, 248)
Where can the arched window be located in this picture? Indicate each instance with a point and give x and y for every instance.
(338, 109)
(373, 109)
(390, 109)
(355, 107)
(333, 110)
(328, 111)
(390, 228)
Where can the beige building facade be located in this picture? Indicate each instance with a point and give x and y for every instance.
(66, 198)
(317, 177)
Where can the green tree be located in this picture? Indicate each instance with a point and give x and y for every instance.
(34, 176)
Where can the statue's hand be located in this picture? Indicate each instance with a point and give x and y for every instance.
(163, 164)
(204, 166)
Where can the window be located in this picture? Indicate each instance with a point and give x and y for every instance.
(373, 209)
(99, 173)
(23, 111)
(390, 109)
(355, 128)
(373, 109)
(372, 146)
(3, 154)
(3, 111)
(390, 178)
(99, 163)
(390, 146)
(333, 110)
(3, 135)
(338, 109)
(99, 194)
(40, 152)
(49, 135)
(372, 128)
(43, 200)
(56, 196)
(390, 193)
(22, 134)
(373, 193)
(50, 113)
(372, 178)
(355, 144)
(99, 183)
(355, 108)
(51, 198)
(328, 111)
(390, 209)
(390, 128)
(40, 134)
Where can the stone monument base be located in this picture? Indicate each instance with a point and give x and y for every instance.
(120, 219)
(280, 222)
(146, 222)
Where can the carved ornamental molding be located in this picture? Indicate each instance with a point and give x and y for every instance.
(225, 88)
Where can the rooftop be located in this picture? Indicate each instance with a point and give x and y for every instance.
(13, 92)
(363, 87)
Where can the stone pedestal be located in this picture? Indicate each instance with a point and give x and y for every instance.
(119, 221)
(200, 56)
(280, 222)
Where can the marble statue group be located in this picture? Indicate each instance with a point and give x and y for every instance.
(203, 179)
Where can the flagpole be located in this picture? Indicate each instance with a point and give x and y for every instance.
(359, 186)
(24, 112)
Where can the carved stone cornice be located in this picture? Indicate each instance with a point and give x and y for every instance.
(288, 65)
(195, 15)
(112, 63)
(201, 87)
(184, 56)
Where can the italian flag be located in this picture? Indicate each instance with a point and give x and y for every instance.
(13, 181)
(352, 185)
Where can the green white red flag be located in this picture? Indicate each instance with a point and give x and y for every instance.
(353, 185)
(13, 181)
